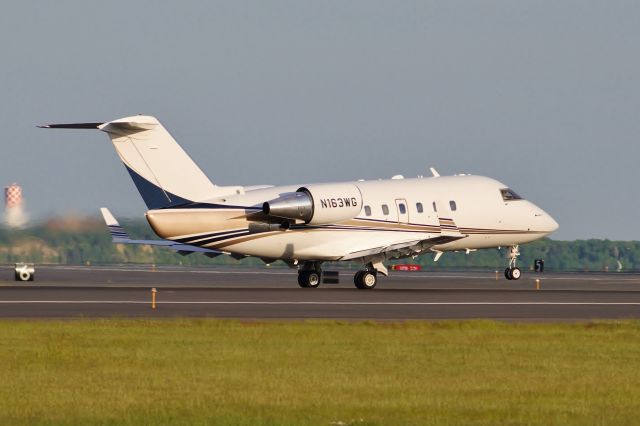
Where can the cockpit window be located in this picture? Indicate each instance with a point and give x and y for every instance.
(509, 195)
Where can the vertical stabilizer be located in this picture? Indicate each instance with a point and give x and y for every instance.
(163, 173)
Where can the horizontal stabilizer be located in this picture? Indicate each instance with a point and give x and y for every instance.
(72, 126)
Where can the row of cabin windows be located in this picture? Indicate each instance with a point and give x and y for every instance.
(403, 209)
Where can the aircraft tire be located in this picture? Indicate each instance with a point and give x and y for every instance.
(507, 274)
(308, 279)
(368, 280)
(357, 279)
(302, 279)
(516, 274)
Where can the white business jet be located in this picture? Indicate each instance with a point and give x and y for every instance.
(367, 222)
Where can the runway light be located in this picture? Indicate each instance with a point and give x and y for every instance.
(153, 298)
(537, 284)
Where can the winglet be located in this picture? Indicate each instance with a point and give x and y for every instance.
(118, 234)
(434, 172)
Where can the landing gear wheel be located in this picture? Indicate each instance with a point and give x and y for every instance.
(357, 279)
(516, 274)
(507, 274)
(365, 280)
(308, 279)
(512, 273)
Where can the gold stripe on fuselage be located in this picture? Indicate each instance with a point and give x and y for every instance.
(197, 224)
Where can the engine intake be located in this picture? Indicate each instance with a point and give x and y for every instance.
(317, 204)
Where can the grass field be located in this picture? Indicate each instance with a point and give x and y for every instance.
(227, 372)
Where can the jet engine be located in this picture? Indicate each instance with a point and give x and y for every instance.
(317, 204)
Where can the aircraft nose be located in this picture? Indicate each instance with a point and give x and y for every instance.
(546, 223)
(552, 225)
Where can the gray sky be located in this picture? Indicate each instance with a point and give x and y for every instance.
(542, 95)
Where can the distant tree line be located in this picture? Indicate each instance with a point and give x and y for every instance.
(78, 241)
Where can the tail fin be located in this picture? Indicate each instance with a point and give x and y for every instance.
(163, 173)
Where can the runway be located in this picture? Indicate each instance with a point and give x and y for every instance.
(263, 293)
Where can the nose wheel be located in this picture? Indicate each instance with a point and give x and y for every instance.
(513, 272)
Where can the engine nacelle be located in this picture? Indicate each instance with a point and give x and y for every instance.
(317, 204)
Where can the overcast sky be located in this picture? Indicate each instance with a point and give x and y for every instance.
(541, 95)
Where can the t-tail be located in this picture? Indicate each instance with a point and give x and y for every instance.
(163, 173)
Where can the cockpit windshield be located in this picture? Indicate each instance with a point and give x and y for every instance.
(509, 194)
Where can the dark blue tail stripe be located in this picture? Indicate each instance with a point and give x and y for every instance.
(154, 196)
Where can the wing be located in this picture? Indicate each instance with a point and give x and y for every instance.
(403, 249)
(120, 236)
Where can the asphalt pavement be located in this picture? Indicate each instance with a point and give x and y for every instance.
(272, 293)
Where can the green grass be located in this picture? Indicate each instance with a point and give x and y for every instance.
(227, 372)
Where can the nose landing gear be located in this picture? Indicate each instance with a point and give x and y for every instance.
(513, 272)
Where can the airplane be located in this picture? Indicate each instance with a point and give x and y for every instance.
(368, 222)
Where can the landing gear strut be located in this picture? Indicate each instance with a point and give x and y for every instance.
(367, 279)
(309, 275)
(513, 272)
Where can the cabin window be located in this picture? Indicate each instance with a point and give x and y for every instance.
(385, 209)
(453, 206)
(509, 194)
(367, 210)
(434, 207)
(402, 208)
(419, 207)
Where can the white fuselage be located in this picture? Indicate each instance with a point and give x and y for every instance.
(471, 209)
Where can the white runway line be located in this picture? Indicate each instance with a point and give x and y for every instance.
(174, 271)
(136, 302)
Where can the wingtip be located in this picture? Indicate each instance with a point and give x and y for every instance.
(88, 126)
(108, 217)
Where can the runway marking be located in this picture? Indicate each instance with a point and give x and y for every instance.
(200, 302)
(174, 271)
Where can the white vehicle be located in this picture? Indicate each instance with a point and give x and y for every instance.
(308, 224)
(24, 271)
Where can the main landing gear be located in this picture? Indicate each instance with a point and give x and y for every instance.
(309, 275)
(365, 280)
(513, 272)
